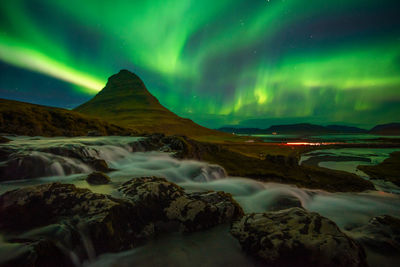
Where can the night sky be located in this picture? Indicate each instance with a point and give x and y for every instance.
(218, 62)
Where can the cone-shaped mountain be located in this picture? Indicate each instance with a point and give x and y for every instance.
(126, 101)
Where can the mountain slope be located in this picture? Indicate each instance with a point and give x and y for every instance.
(126, 102)
(35, 120)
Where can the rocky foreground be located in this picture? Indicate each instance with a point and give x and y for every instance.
(61, 225)
(55, 223)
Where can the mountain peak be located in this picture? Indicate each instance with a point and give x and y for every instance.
(123, 91)
(124, 74)
(126, 101)
(126, 81)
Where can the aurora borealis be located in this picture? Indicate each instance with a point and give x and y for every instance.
(221, 62)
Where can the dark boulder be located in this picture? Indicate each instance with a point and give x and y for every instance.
(29, 253)
(295, 237)
(60, 221)
(4, 140)
(167, 202)
(98, 178)
(282, 202)
(107, 222)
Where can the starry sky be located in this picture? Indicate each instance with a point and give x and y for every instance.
(225, 62)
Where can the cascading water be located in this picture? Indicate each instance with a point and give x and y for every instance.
(120, 155)
(64, 159)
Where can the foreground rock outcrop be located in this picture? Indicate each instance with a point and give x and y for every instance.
(61, 224)
(106, 221)
(167, 202)
(295, 237)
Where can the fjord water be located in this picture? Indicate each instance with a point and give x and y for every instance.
(350, 158)
(341, 138)
(216, 247)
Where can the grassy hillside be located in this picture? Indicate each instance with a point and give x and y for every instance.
(36, 120)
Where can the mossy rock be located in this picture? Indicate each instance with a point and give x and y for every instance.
(98, 178)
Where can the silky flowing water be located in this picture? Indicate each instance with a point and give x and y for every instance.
(214, 247)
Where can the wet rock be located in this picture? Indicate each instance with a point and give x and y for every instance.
(98, 165)
(175, 143)
(381, 234)
(33, 164)
(295, 237)
(98, 178)
(49, 161)
(150, 142)
(94, 133)
(28, 253)
(85, 154)
(282, 202)
(107, 222)
(207, 209)
(4, 140)
(5, 153)
(160, 142)
(76, 224)
(77, 151)
(167, 202)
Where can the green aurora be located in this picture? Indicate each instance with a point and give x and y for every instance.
(221, 62)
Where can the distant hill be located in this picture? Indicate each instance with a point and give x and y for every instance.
(126, 101)
(345, 129)
(386, 129)
(35, 120)
(300, 128)
(241, 130)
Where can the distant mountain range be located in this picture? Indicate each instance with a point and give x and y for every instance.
(313, 129)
